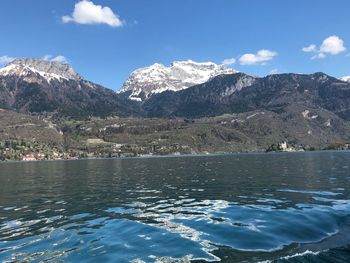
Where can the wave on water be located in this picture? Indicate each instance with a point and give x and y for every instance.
(339, 255)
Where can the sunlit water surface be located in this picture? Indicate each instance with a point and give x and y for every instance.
(229, 208)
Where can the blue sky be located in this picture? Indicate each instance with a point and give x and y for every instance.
(107, 39)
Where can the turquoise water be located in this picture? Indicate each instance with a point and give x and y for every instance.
(229, 208)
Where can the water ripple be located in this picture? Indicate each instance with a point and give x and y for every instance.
(247, 208)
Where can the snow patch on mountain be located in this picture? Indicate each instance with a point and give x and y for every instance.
(144, 82)
(347, 79)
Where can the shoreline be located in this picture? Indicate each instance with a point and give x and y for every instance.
(170, 156)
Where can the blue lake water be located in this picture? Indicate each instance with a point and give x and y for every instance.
(227, 208)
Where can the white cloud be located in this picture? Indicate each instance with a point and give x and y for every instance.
(318, 56)
(311, 48)
(332, 45)
(47, 57)
(6, 59)
(86, 12)
(274, 71)
(261, 57)
(59, 58)
(229, 61)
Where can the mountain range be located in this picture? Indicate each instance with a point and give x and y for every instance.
(301, 108)
(185, 89)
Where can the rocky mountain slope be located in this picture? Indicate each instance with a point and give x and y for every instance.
(249, 131)
(36, 86)
(18, 126)
(144, 82)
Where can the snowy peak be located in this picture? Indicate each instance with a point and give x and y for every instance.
(347, 79)
(49, 70)
(157, 78)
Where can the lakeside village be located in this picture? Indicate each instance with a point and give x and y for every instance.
(15, 150)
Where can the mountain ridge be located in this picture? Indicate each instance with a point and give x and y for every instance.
(317, 89)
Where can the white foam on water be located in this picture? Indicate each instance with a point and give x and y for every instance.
(307, 252)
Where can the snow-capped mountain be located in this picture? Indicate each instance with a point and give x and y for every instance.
(30, 68)
(347, 79)
(144, 82)
(34, 85)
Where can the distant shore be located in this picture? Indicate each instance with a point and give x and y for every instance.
(20, 150)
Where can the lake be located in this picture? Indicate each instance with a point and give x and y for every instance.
(292, 207)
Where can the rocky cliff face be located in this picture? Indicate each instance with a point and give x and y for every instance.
(144, 82)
